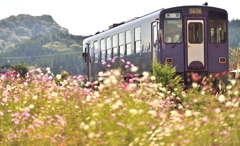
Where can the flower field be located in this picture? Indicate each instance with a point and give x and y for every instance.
(46, 110)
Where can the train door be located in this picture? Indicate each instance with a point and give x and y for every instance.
(195, 46)
(154, 41)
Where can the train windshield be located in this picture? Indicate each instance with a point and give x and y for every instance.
(173, 27)
(217, 25)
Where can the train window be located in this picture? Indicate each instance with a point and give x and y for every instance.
(121, 44)
(128, 42)
(109, 52)
(137, 39)
(217, 27)
(195, 32)
(103, 50)
(173, 27)
(96, 52)
(115, 46)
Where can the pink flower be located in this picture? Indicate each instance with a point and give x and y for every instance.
(217, 110)
(108, 65)
(216, 75)
(126, 66)
(16, 121)
(1, 113)
(205, 119)
(186, 140)
(103, 63)
(234, 64)
(223, 73)
(100, 132)
(195, 77)
(224, 132)
(120, 124)
(4, 99)
(113, 60)
(122, 60)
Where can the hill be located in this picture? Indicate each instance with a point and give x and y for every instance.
(60, 51)
(15, 29)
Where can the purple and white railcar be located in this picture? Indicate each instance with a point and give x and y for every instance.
(192, 38)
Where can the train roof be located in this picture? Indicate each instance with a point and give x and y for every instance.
(115, 25)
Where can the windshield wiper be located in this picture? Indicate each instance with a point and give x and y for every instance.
(177, 41)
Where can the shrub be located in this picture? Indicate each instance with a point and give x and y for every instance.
(20, 69)
(165, 74)
(60, 78)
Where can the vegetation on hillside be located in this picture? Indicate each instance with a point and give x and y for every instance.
(58, 51)
(234, 33)
(39, 41)
(15, 29)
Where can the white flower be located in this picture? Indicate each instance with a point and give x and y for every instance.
(233, 82)
(133, 111)
(153, 113)
(35, 97)
(153, 78)
(188, 113)
(38, 69)
(58, 76)
(116, 72)
(100, 74)
(92, 123)
(50, 77)
(25, 83)
(221, 98)
(117, 105)
(134, 69)
(146, 74)
(85, 127)
(131, 86)
(91, 135)
(48, 68)
(194, 85)
(229, 87)
(140, 111)
(232, 115)
(107, 81)
(31, 106)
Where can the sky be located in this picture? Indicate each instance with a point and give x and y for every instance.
(86, 17)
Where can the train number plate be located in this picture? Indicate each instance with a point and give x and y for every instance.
(195, 10)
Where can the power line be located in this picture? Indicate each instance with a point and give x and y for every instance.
(12, 57)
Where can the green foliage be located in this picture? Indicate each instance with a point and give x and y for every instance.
(59, 79)
(15, 29)
(234, 56)
(57, 51)
(234, 61)
(20, 69)
(166, 75)
(37, 112)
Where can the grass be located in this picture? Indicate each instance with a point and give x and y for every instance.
(44, 109)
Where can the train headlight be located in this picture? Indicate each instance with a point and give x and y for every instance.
(222, 60)
(169, 60)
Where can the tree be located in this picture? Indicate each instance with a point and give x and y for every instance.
(21, 69)
(234, 57)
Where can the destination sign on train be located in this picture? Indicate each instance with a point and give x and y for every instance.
(172, 15)
(195, 10)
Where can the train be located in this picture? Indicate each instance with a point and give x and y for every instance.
(192, 38)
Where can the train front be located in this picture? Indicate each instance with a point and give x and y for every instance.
(195, 40)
